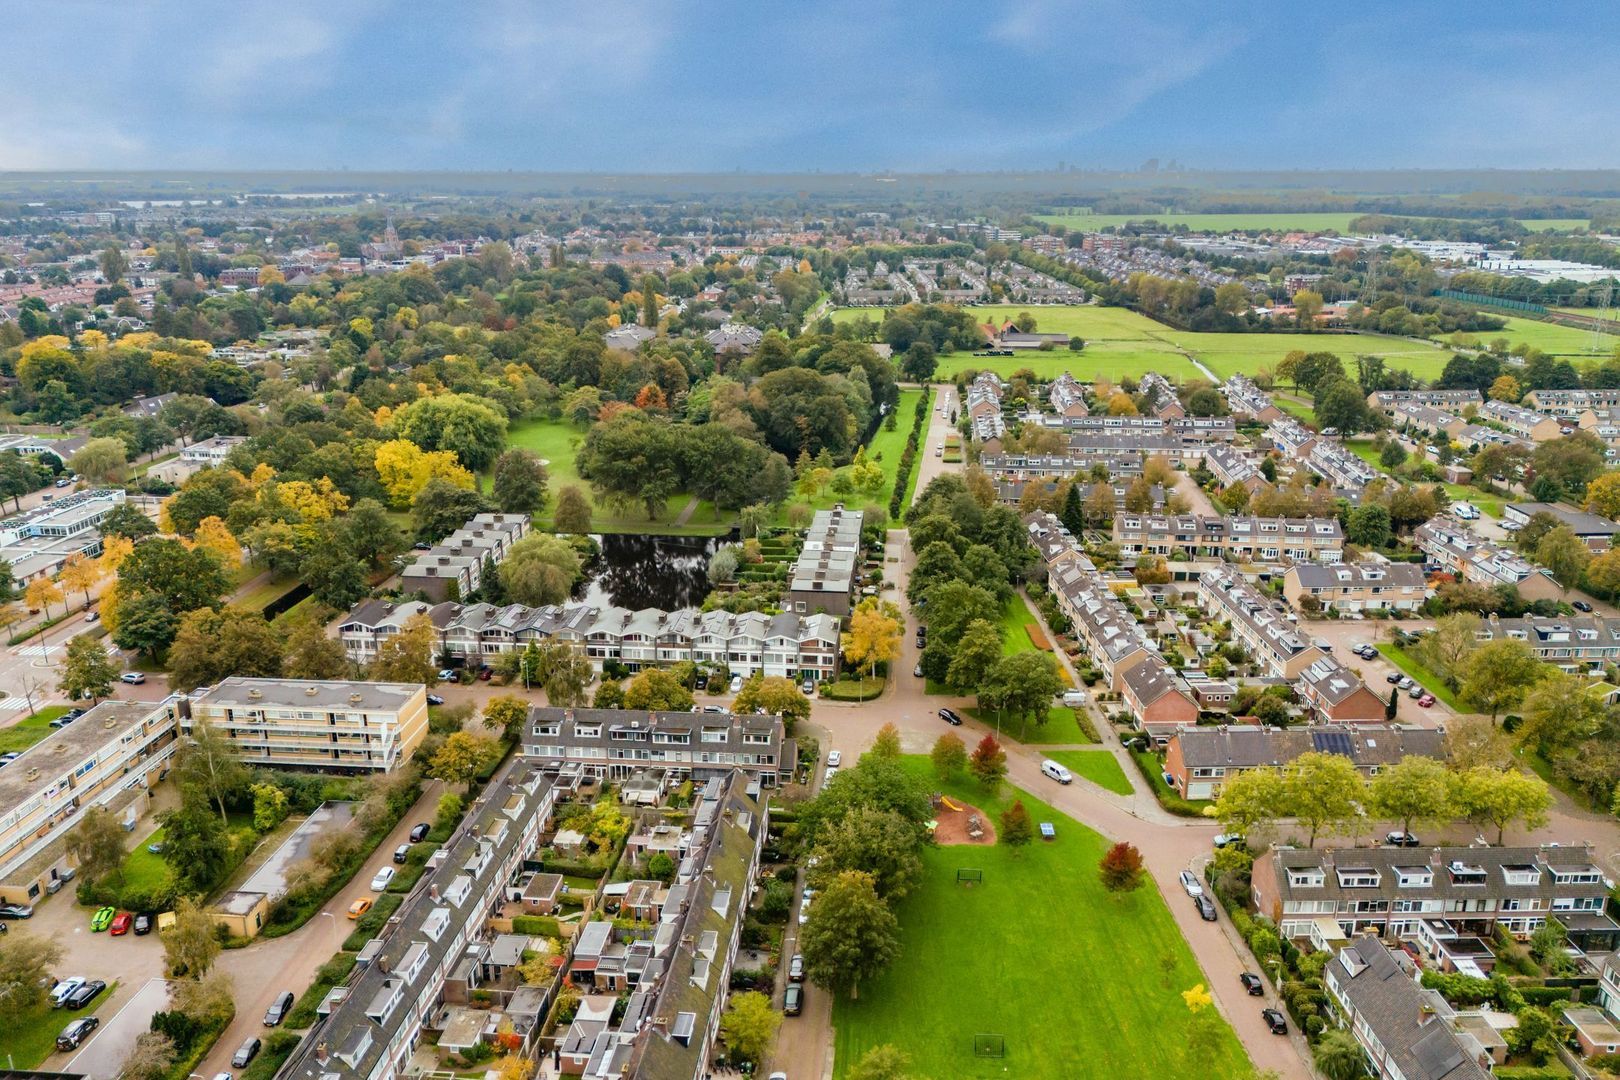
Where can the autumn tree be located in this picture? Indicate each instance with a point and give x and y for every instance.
(949, 755)
(1121, 869)
(749, 1026)
(312, 654)
(151, 1056)
(1016, 829)
(464, 757)
(41, 593)
(190, 943)
(850, 936)
(873, 637)
(776, 694)
(96, 844)
(989, 762)
(656, 690)
(214, 645)
(506, 715)
(573, 511)
(80, 574)
(408, 655)
(886, 744)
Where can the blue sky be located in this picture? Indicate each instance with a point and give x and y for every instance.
(653, 86)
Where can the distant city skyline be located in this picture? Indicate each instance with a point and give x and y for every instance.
(649, 86)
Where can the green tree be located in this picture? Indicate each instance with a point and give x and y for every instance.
(1489, 796)
(207, 768)
(573, 511)
(879, 843)
(976, 656)
(101, 461)
(883, 1062)
(186, 579)
(369, 534)
(1338, 1056)
(851, 935)
(96, 844)
(776, 694)
(190, 943)
(214, 645)
(1565, 556)
(441, 508)
(195, 847)
(269, 806)
(749, 1026)
(87, 671)
(1368, 525)
(311, 654)
(1560, 713)
(949, 756)
(1252, 800)
(1414, 789)
(540, 570)
(1322, 791)
(1498, 674)
(26, 963)
(1022, 686)
(656, 690)
(520, 482)
(334, 574)
(472, 428)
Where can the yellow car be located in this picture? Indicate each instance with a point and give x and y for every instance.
(360, 907)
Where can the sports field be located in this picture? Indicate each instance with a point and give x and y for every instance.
(1120, 342)
(1080, 983)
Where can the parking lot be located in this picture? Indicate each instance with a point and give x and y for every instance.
(103, 1056)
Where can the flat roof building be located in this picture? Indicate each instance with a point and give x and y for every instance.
(313, 724)
(827, 572)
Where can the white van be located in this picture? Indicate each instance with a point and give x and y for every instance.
(1056, 772)
(1466, 511)
(1074, 697)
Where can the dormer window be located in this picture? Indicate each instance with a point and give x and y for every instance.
(1362, 877)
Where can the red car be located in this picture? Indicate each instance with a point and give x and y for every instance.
(121, 924)
(1426, 701)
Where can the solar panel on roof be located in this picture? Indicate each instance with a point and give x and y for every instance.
(1332, 742)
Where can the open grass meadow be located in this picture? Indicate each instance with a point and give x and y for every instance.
(1554, 338)
(1080, 983)
(1121, 342)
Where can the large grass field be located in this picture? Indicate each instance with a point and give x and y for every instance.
(1302, 221)
(1082, 984)
(1121, 343)
(1591, 312)
(1553, 338)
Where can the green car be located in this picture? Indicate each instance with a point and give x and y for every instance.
(102, 919)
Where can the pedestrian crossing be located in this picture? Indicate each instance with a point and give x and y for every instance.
(12, 704)
(38, 650)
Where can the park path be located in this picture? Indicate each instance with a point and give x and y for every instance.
(686, 512)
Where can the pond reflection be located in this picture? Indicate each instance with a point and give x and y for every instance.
(636, 571)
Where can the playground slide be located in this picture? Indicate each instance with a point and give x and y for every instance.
(946, 799)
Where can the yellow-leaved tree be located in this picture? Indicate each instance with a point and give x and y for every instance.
(405, 469)
(873, 637)
(214, 537)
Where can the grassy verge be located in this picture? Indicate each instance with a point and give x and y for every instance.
(1428, 679)
(332, 973)
(1063, 725)
(29, 1039)
(847, 689)
(1114, 977)
(278, 1047)
(144, 870)
(25, 733)
(1150, 765)
(367, 926)
(1018, 623)
(1098, 766)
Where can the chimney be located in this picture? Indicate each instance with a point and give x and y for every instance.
(321, 1053)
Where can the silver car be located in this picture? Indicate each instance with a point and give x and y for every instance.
(1189, 882)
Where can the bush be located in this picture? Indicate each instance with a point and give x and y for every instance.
(368, 925)
(541, 925)
(1546, 995)
(203, 1041)
(1530, 1072)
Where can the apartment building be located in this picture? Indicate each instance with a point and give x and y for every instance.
(1113, 637)
(1186, 429)
(1240, 539)
(1345, 472)
(1337, 695)
(1596, 531)
(1454, 549)
(1362, 586)
(984, 395)
(1066, 397)
(110, 757)
(827, 572)
(39, 541)
(1275, 643)
(1200, 760)
(1404, 1030)
(676, 981)
(1232, 467)
(1053, 541)
(1572, 643)
(615, 744)
(1099, 443)
(1392, 891)
(348, 727)
(789, 645)
(454, 567)
(211, 451)
(371, 1033)
(1290, 438)
(1525, 423)
(1427, 419)
(1605, 424)
(1160, 396)
(1447, 400)
(1570, 404)
(1247, 401)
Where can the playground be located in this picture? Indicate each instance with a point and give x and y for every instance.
(957, 822)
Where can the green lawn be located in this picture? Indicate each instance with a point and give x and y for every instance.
(1060, 728)
(25, 733)
(1549, 224)
(1303, 221)
(1016, 620)
(1591, 312)
(144, 869)
(1081, 984)
(558, 442)
(1488, 504)
(29, 1039)
(1554, 338)
(1430, 681)
(1098, 766)
(885, 449)
(1298, 411)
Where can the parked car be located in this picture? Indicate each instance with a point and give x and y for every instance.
(76, 1032)
(380, 880)
(1393, 678)
(736, 684)
(133, 678)
(447, 674)
(156, 847)
(1275, 1020)
(807, 688)
(419, 832)
(1206, 907)
(1416, 692)
(1426, 701)
(60, 992)
(84, 995)
(246, 1053)
(64, 482)
(360, 907)
(1251, 982)
(1407, 682)
(1401, 839)
(832, 771)
(435, 699)
(1226, 839)
(1189, 883)
(402, 853)
(796, 968)
(793, 1000)
(143, 924)
(16, 911)
(1580, 605)
(102, 919)
(122, 923)
(278, 1009)
(950, 717)
(93, 617)
(835, 758)
(916, 672)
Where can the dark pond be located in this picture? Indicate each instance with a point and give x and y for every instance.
(636, 571)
